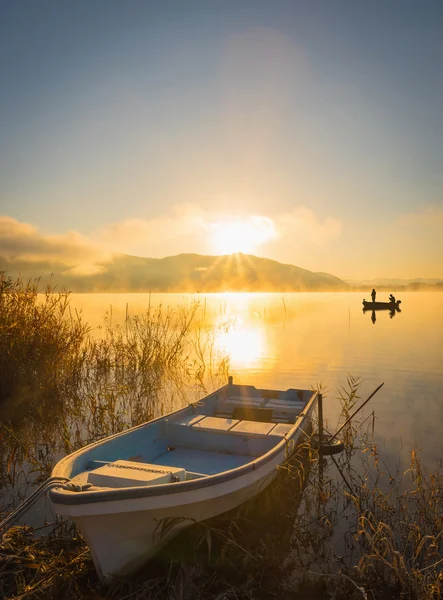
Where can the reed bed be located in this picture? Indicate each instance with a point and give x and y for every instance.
(40, 339)
(280, 545)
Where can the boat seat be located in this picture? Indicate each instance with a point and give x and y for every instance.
(252, 428)
(231, 426)
(216, 424)
(251, 416)
(292, 405)
(281, 429)
(222, 435)
(127, 473)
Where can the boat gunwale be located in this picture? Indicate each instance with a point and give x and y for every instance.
(60, 496)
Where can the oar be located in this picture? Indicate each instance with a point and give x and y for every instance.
(354, 413)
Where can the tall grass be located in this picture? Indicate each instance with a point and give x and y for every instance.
(40, 339)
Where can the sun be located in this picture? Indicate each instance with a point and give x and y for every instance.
(243, 235)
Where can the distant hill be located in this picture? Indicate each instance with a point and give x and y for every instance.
(387, 284)
(182, 273)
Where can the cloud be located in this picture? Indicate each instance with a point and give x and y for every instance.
(302, 227)
(302, 237)
(181, 231)
(23, 241)
(192, 229)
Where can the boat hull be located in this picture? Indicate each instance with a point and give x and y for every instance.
(381, 305)
(121, 543)
(125, 527)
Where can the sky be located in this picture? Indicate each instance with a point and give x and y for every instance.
(306, 132)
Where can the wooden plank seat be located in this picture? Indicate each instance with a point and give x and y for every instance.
(290, 402)
(252, 428)
(259, 414)
(249, 438)
(231, 426)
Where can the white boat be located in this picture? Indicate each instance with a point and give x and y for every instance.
(134, 491)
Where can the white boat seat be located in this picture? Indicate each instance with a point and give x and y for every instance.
(228, 425)
(276, 417)
(281, 429)
(291, 406)
(215, 424)
(221, 434)
(127, 473)
(253, 428)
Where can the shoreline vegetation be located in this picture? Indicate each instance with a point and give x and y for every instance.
(339, 527)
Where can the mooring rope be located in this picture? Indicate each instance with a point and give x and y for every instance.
(53, 482)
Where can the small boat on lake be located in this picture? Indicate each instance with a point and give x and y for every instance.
(381, 305)
(132, 492)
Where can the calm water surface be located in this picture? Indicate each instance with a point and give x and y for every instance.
(302, 340)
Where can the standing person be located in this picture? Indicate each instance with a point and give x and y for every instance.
(373, 294)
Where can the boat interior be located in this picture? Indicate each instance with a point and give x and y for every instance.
(226, 430)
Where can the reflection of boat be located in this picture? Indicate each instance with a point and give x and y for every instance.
(381, 305)
(137, 489)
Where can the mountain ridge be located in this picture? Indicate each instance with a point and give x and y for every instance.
(191, 272)
(186, 272)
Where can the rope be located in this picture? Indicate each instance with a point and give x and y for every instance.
(137, 468)
(52, 482)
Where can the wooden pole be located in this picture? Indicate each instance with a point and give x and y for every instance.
(320, 418)
(354, 413)
(320, 456)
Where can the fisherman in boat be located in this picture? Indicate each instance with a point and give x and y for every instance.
(392, 299)
(373, 294)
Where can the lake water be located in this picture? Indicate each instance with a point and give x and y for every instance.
(306, 339)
